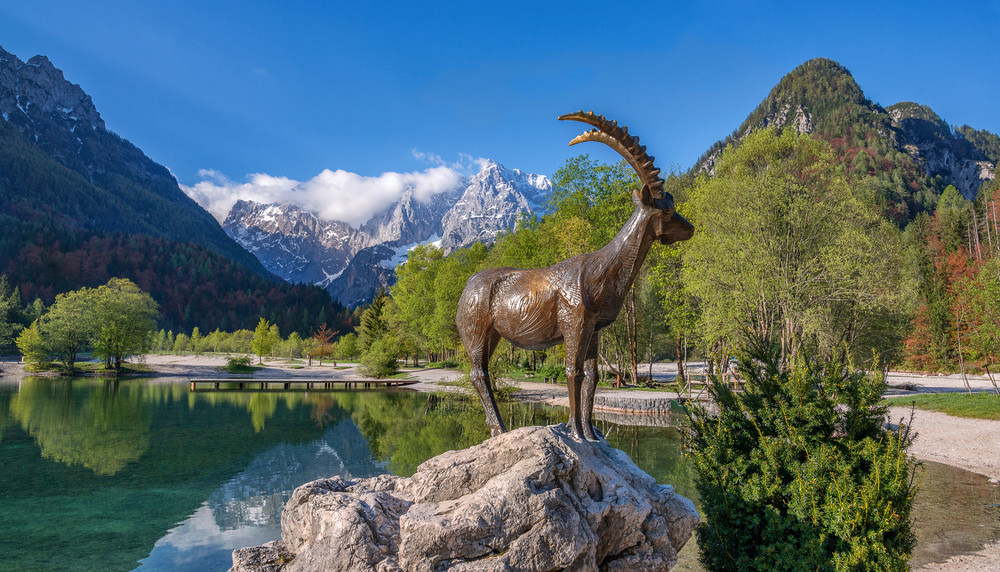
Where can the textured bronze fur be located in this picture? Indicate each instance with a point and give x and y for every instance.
(571, 301)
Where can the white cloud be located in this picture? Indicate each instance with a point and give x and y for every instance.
(334, 195)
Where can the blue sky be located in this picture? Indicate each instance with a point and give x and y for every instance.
(222, 91)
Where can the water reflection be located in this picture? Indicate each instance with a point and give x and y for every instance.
(177, 479)
(954, 513)
(246, 510)
(104, 427)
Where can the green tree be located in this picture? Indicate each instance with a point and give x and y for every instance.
(32, 345)
(70, 324)
(263, 340)
(347, 346)
(126, 318)
(34, 311)
(953, 214)
(292, 347)
(274, 333)
(787, 250)
(373, 322)
(10, 307)
(381, 358)
(412, 296)
(197, 341)
(678, 305)
(182, 343)
(799, 471)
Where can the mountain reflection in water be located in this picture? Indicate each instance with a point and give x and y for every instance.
(246, 510)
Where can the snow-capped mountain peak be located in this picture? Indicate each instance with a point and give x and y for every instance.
(353, 263)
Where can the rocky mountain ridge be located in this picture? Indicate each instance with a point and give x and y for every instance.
(821, 97)
(80, 205)
(940, 150)
(354, 263)
(122, 190)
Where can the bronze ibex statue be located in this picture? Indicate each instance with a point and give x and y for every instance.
(569, 302)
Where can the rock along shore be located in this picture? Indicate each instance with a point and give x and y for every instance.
(530, 499)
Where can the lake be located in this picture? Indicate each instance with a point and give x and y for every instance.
(146, 475)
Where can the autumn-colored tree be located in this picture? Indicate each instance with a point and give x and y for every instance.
(323, 343)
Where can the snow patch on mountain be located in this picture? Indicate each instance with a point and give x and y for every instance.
(353, 262)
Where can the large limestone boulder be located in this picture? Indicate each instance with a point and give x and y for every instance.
(531, 499)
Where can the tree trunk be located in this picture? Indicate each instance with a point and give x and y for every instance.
(681, 375)
(961, 358)
(989, 373)
(632, 338)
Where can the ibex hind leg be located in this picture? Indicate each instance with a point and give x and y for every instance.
(590, 432)
(480, 350)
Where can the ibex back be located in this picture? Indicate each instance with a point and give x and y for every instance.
(569, 302)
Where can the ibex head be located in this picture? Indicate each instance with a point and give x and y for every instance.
(668, 226)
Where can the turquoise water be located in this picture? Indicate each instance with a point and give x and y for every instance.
(143, 474)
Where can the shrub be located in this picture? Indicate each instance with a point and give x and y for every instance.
(799, 471)
(555, 371)
(239, 364)
(504, 387)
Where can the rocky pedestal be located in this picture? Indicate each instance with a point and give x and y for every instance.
(530, 499)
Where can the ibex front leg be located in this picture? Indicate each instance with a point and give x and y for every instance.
(577, 344)
(589, 387)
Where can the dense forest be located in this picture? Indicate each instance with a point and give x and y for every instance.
(79, 210)
(785, 248)
(829, 237)
(193, 286)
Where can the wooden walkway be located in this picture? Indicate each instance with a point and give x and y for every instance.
(236, 384)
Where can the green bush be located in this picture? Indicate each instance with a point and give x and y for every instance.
(239, 364)
(799, 472)
(504, 387)
(555, 371)
(380, 359)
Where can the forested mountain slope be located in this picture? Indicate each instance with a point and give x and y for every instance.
(80, 205)
(905, 152)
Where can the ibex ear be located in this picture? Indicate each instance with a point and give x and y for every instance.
(646, 196)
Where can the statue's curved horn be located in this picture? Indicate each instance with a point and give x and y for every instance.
(609, 133)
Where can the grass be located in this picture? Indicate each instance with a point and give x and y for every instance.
(447, 364)
(972, 406)
(89, 368)
(400, 375)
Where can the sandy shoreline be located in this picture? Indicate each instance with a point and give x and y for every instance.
(970, 444)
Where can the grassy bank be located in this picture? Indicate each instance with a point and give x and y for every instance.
(972, 406)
